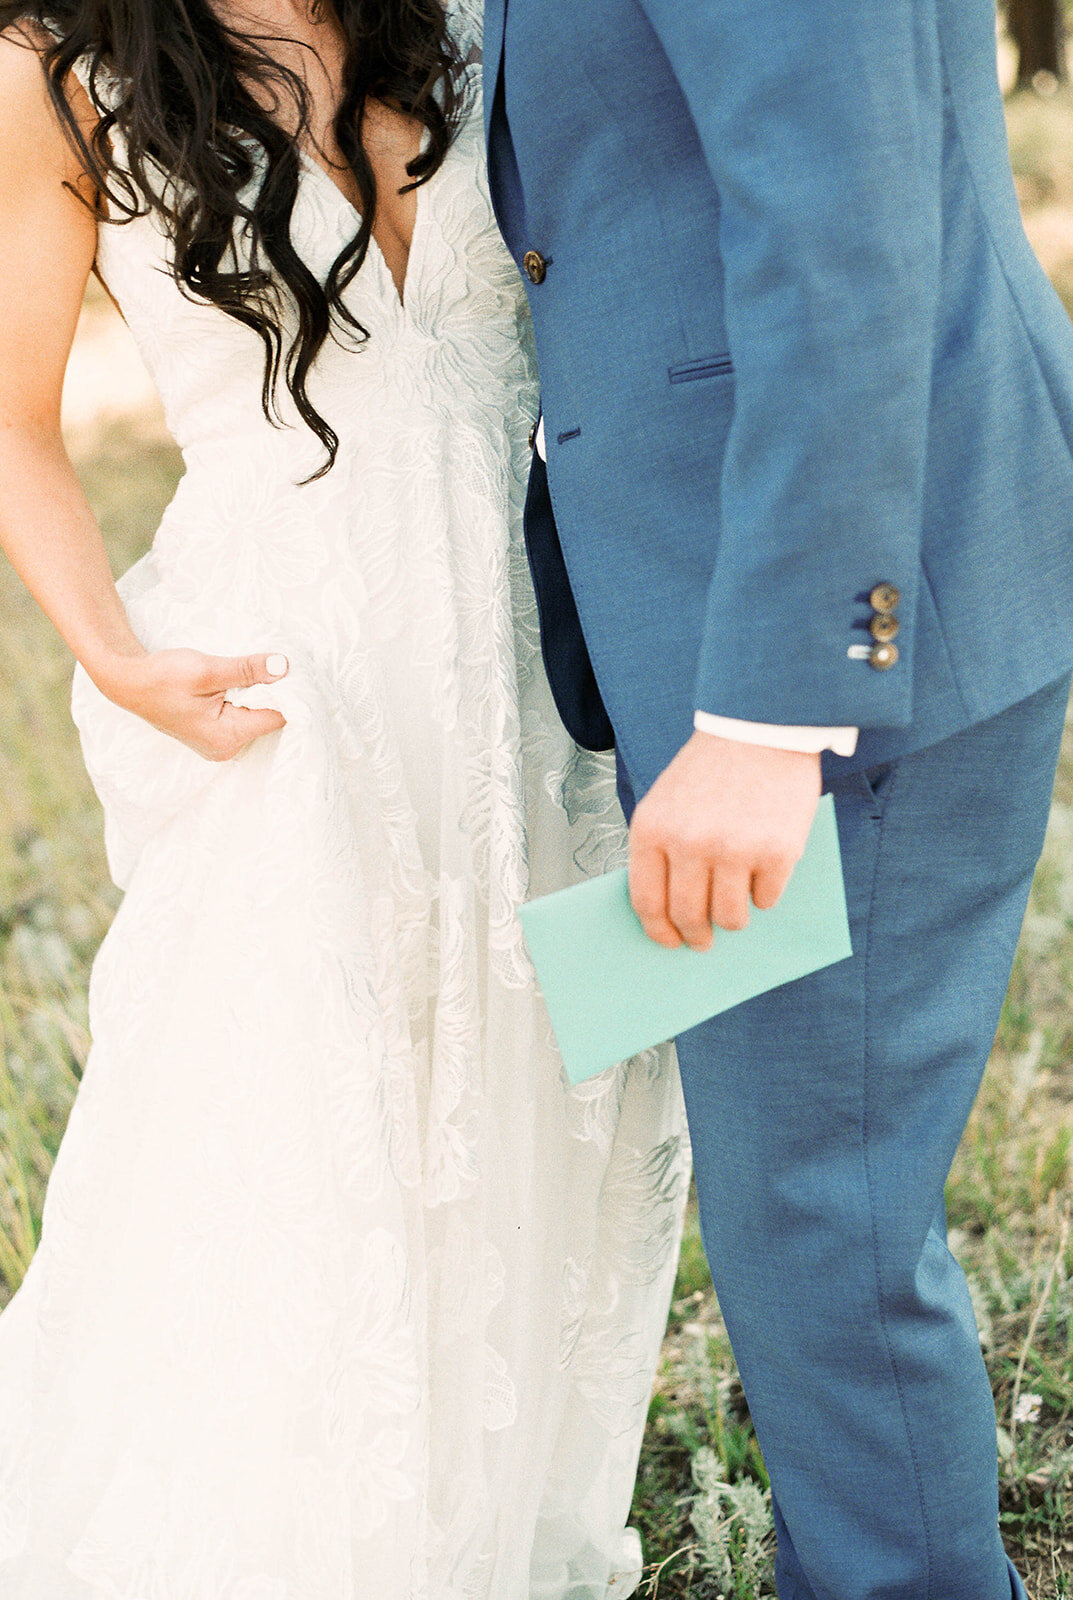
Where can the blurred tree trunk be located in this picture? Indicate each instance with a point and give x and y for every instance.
(1037, 28)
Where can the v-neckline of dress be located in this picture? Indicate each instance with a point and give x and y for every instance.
(321, 173)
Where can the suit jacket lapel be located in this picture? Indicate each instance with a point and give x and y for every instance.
(495, 18)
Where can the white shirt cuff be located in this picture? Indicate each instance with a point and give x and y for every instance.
(540, 441)
(809, 741)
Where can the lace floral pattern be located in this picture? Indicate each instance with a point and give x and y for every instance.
(342, 1292)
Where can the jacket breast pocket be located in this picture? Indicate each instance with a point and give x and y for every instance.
(703, 367)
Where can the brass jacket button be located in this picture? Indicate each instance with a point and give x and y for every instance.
(532, 436)
(536, 268)
(883, 627)
(884, 597)
(883, 657)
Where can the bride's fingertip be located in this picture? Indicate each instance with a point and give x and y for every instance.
(277, 665)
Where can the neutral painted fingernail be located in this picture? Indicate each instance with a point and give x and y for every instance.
(277, 665)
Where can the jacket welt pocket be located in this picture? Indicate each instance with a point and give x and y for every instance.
(703, 367)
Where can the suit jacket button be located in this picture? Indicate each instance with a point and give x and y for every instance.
(883, 657)
(884, 597)
(883, 627)
(532, 436)
(536, 268)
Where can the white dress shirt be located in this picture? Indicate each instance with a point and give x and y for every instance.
(776, 736)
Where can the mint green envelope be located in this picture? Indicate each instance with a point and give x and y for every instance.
(611, 991)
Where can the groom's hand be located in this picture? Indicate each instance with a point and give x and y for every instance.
(726, 823)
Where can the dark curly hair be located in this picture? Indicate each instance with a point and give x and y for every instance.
(184, 109)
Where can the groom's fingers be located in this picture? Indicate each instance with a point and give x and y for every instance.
(730, 897)
(689, 898)
(769, 882)
(648, 891)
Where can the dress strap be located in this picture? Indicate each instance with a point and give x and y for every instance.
(465, 18)
(98, 82)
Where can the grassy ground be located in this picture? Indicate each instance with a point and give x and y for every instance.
(700, 1499)
(55, 896)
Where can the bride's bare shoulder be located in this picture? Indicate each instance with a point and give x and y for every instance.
(22, 47)
(25, 105)
(31, 134)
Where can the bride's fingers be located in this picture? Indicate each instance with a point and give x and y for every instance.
(236, 727)
(220, 673)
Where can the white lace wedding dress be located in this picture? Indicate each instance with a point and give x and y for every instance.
(342, 1293)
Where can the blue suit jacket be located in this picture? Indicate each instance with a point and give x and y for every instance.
(793, 345)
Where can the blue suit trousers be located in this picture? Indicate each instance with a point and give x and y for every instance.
(824, 1118)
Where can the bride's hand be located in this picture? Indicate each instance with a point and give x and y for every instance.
(182, 692)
